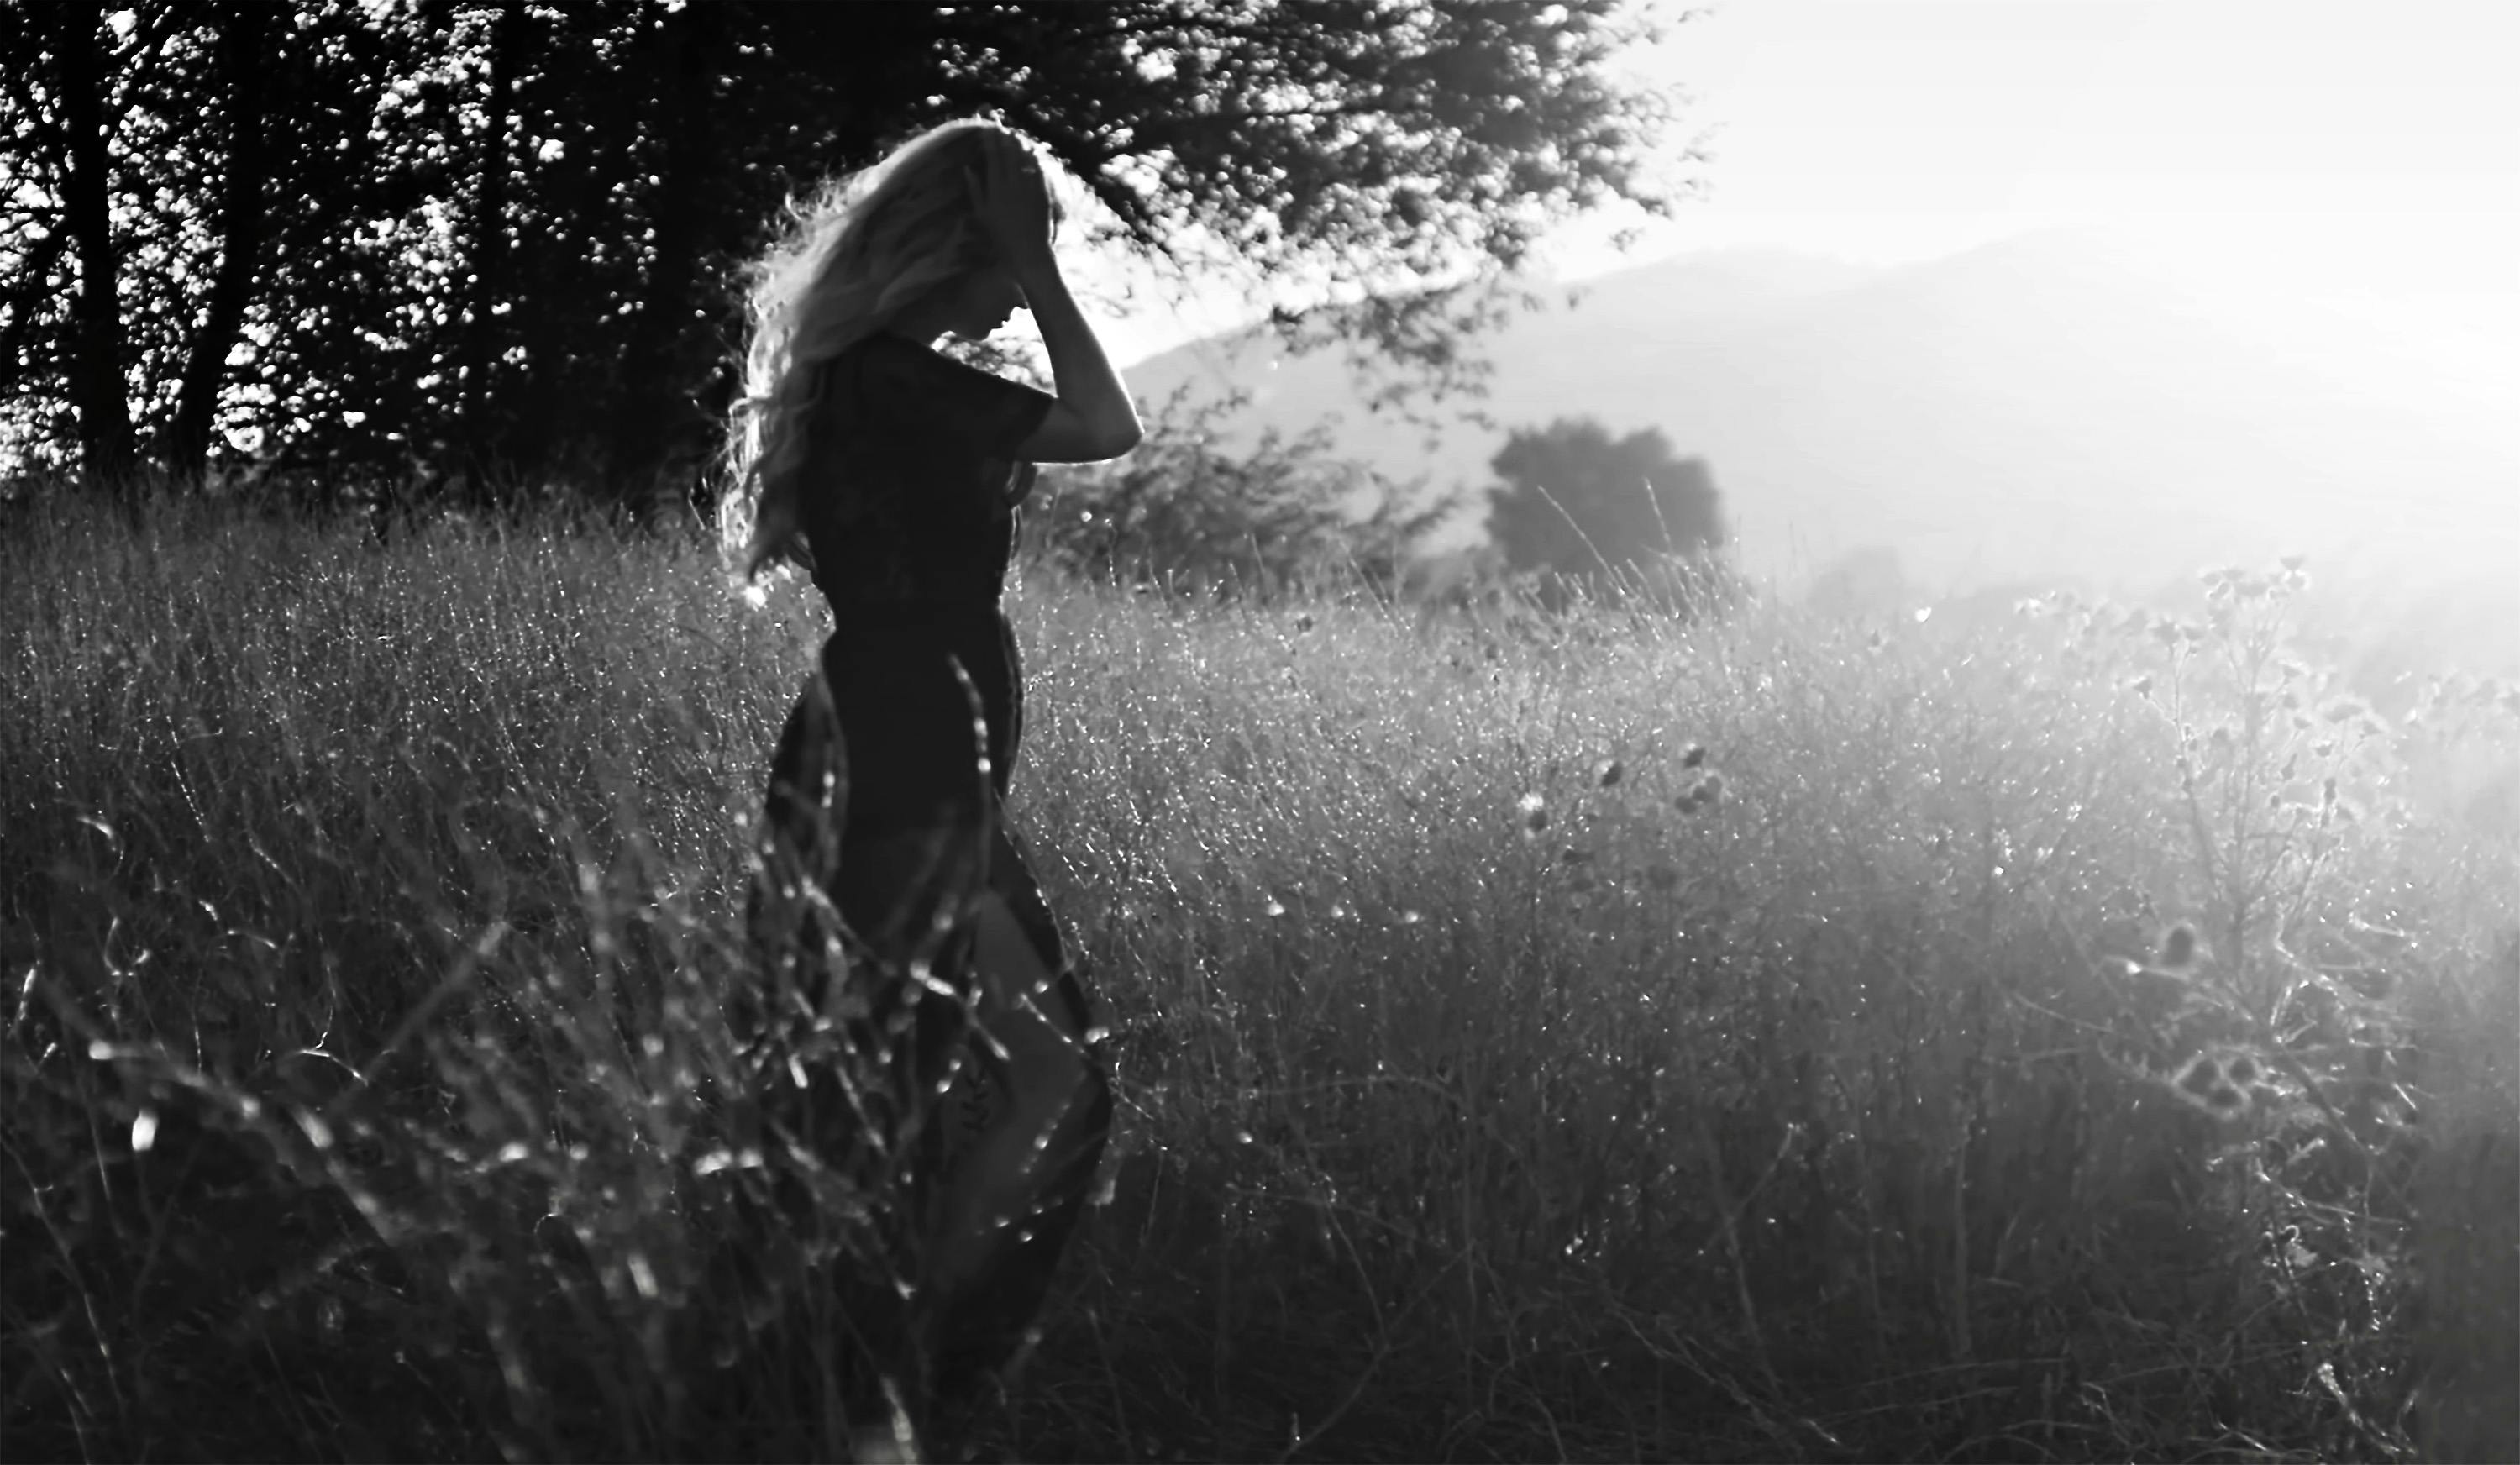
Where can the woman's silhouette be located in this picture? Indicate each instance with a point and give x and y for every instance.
(965, 1083)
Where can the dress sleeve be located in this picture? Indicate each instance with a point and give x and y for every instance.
(906, 388)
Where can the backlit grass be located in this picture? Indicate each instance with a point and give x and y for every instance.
(1593, 1036)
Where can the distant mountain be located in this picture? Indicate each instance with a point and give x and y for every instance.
(2044, 409)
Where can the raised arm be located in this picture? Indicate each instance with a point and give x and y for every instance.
(1093, 418)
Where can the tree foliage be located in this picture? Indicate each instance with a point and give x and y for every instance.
(185, 178)
(1574, 503)
(1184, 514)
(489, 246)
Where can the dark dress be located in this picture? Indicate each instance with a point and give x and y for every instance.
(902, 745)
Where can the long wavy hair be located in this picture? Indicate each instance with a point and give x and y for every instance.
(855, 255)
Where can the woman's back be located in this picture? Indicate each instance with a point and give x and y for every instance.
(911, 481)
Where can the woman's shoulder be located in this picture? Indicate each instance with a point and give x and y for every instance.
(882, 352)
(896, 384)
(885, 366)
(870, 378)
(884, 345)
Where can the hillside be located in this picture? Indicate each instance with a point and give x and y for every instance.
(2048, 408)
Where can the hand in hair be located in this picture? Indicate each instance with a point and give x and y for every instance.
(1093, 418)
(1011, 200)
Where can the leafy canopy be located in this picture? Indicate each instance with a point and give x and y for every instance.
(492, 247)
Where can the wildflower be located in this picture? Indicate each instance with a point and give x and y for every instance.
(1571, 855)
(2178, 947)
(1695, 755)
(1661, 875)
(1303, 623)
(2202, 1083)
(1535, 813)
(1608, 773)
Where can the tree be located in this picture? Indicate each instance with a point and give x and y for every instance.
(74, 132)
(176, 175)
(1577, 504)
(482, 245)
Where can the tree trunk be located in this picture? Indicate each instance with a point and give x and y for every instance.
(245, 31)
(476, 432)
(654, 415)
(95, 312)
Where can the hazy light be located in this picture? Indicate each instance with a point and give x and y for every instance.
(2314, 146)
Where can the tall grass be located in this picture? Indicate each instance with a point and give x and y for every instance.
(1578, 1036)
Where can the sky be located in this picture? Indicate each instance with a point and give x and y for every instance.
(2363, 153)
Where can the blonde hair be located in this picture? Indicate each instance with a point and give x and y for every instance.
(854, 256)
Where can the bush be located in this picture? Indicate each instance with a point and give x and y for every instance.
(1184, 513)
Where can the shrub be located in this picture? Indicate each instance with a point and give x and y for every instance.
(1187, 515)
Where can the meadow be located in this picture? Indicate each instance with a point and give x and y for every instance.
(1578, 1036)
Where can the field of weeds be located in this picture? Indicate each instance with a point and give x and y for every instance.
(1590, 1036)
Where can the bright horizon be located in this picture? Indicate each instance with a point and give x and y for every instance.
(2364, 158)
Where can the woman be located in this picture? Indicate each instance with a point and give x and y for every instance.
(893, 475)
